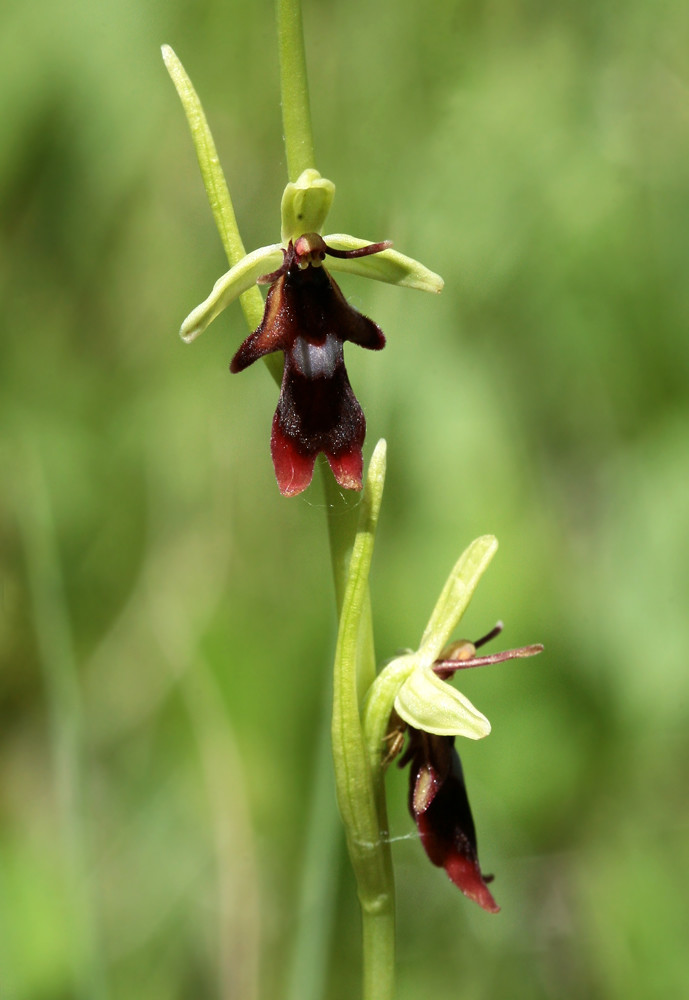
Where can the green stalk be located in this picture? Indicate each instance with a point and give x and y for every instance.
(294, 89)
(351, 528)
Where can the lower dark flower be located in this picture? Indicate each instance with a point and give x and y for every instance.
(439, 805)
(438, 798)
(308, 318)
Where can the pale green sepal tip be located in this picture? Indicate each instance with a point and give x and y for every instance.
(305, 205)
(237, 280)
(388, 265)
(456, 594)
(425, 702)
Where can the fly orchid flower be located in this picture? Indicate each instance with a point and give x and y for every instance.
(412, 694)
(438, 800)
(308, 319)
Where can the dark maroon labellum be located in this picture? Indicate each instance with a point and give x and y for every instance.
(307, 317)
(439, 804)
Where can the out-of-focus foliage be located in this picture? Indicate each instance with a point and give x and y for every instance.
(166, 617)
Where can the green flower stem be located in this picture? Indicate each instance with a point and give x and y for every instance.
(294, 89)
(361, 804)
(359, 789)
(362, 807)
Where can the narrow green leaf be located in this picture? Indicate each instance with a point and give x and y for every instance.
(213, 181)
(211, 171)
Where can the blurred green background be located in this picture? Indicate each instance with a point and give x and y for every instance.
(166, 617)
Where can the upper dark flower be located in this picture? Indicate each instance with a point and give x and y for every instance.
(308, 318)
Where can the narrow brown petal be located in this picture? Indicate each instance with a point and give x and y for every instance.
(273, 334)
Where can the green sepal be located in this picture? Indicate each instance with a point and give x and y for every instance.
(380, 700)
(425, 702)
(455, 596)
(237, 280)
(305, 205)
(388, 265)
